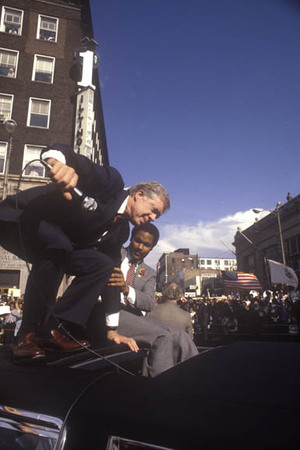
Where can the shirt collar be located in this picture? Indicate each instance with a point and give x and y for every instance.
(122, 208)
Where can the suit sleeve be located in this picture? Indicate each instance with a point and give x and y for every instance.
(104, 180)
(145, 291)
(145, 296)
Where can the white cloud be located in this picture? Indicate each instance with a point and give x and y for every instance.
(205, 238)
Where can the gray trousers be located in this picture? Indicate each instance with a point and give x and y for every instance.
(167, 345)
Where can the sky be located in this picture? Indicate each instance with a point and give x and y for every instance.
(202, 96)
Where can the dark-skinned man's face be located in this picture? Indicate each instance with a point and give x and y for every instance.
(140, 245)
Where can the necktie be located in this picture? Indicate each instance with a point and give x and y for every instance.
(131, 274)
(118, 218)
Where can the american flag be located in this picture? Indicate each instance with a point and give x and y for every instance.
(241, 281)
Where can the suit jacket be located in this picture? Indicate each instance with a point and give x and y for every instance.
(144, 285)
(172, 314)
(83, 228)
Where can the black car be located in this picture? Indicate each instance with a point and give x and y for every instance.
(243, 395)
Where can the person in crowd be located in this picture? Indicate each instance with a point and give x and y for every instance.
(167, 310)
(60, 232)
(11, 72)
(166, 345)
(19, 308)
(204, 316)
(10, 322)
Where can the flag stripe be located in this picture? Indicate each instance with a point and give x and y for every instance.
(241, 280)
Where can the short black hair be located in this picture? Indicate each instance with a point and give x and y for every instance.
(148, 228)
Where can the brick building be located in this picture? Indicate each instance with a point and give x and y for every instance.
(171, 263)
(189, 271)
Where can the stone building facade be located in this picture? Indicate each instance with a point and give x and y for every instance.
(275, 237)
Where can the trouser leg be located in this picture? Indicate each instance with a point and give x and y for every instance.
(92, 270)
(167, 345)
(40, 294)
(48, 254)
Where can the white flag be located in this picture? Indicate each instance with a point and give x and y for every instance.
(280, 273)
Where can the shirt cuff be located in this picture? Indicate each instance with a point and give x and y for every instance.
(131, 297)
(56, 154)
(112, 320)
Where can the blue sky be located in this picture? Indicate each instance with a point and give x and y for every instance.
(204, 97)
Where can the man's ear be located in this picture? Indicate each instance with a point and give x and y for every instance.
(138, 195)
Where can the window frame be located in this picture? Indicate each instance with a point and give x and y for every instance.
(31, 100)
(17, 60)
(5, 155)
(24, 162)
(11, 106)
(34, 70)
(38, 31)
(2, 24)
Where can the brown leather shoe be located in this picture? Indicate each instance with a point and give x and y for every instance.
(65, 344)
(27, 349)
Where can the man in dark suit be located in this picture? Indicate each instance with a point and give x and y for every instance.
(169, 312)
(48, 227)
(167, 345)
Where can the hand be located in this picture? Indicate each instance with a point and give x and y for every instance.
(64, 176)
(120, 339)
(117, 279)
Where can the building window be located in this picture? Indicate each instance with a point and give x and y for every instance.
(11, 20)
(6, 104)
(208, 262)
(202, 262)
(8, 63)
(271, 252)
(3, 150)
(47, 28)
(293, 250)
(35, 169)
(39, 113)
(43, 69)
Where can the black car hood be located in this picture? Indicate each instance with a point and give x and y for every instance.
(245, 395)
(241, 396)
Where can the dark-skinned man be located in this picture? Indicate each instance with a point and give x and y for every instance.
(167, 345)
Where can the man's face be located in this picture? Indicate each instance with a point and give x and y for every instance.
(140, 245)
(142, 209)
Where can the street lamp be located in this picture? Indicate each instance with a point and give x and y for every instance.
(10, 126)
(275, 211)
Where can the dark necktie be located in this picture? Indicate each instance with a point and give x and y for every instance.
(131, 274)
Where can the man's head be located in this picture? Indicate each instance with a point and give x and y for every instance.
(171, 291)
(147, 201)
(143, 239)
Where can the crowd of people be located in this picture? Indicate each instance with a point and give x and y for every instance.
(10, 320)
(245, 313)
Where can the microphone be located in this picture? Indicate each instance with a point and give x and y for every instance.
(87, 203)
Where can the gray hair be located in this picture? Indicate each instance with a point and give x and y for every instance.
(171, 291)
(152, 189)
